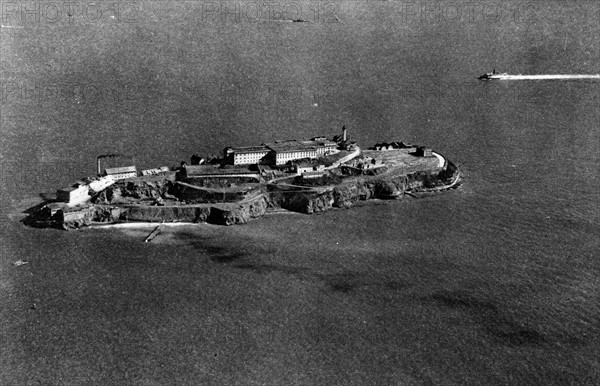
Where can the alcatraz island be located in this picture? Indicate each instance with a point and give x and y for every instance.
(305, 175)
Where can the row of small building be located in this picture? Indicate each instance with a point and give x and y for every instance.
(421, 151)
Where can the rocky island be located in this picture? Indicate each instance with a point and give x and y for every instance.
(306, 176)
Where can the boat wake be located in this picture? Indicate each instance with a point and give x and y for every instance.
(496, 76)
(536, 77)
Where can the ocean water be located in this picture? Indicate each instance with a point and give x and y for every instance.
(493, 283)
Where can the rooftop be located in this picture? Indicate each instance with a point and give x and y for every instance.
(318, 142)
(247, 149)
(199, 170)
(289, 145)
(122, 169)
(74, 186)
(308, 162)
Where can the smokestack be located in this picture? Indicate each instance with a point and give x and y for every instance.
(105, 156)
(344, 133)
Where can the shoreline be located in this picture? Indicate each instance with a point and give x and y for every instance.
(141, 224)
(149, 224)
(149, 202)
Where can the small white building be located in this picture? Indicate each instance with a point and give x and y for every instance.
(76, 194)
(121, 173)
(314, 174)
(155, 171)
(305, 168)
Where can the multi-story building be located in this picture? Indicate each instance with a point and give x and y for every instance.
(284, 151)
(245, 155)
(121, 173)
(280, 152)
(323, 146)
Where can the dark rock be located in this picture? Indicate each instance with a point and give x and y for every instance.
(238, 214)
(145, 197)
(166, 213)
(308, 202)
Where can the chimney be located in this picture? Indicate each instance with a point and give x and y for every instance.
(98, 165)
(344, 134)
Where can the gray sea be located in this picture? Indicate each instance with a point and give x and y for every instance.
(494, 283)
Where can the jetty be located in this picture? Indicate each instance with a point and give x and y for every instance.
(153, 234)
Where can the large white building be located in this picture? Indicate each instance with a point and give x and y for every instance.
(246, 155)
(322, 145)
(284, 151)
(280, 152)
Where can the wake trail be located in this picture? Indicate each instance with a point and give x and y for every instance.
(545, 77)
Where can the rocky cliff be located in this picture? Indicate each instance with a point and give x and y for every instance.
(222, 214)
(347, 193)
(152, 199)
(131, 191)
(343, 195)
(238, 214)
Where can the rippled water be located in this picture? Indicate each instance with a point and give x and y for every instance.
(494, 283)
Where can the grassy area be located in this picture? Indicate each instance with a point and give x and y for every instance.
(407, 162)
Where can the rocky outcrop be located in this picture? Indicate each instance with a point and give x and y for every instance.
(130, 191)
(232, 214)
(74, 218)
(124, 201)
(345, 196)
(308, 202)
(347, 193)
(107, 214)
(340, 196)
(225, 214)
(166, 213)
(222, 214)
(196, 194)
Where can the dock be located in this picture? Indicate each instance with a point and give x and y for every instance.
(154, 233)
